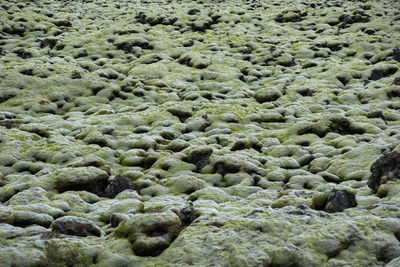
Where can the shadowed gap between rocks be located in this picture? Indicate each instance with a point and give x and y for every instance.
(102, 188)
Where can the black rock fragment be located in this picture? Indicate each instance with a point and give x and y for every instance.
(118, 185)
(70, 225)
(339, 200)
(200, 158)
(187, 214)
(384, 169)
(335, 201)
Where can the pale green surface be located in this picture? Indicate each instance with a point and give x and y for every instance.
(264, 100)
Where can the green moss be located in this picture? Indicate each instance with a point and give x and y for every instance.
(69, 252)
(319, 201)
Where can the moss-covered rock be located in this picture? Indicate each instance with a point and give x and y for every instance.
(150, 234)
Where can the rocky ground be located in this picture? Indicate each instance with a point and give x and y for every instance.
(199, 133)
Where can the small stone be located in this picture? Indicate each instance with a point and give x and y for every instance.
(71, 225)
(14, 255)
(118, 185)
(200, 157)
(339, 200)
(187, 214)
(384, 169)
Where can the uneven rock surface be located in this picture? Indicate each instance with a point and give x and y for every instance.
(199, 133)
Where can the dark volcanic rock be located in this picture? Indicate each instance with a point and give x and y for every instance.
(334, 201)
(384, 169)
(187, 214)
(71, 225)
(118, 185)
(339, 200)
(200, 157)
